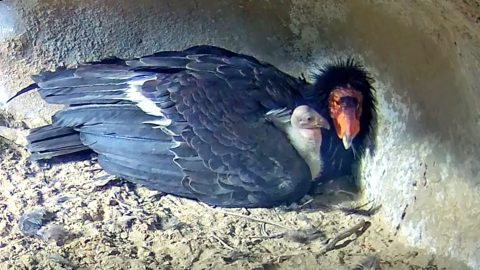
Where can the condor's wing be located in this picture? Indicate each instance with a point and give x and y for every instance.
(196, 115)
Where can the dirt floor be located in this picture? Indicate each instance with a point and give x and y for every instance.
(74, 218)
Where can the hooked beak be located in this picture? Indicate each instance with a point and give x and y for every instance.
(309, 122)
(324, 123)
(347, 126)
(307, 118)
(347, 141)
(321, 122)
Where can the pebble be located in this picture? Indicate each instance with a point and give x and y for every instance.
(31, 222)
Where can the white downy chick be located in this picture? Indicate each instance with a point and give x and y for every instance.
(303, 130)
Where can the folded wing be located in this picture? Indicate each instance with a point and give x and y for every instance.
(190, 123)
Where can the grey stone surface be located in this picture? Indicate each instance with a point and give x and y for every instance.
(423, 54)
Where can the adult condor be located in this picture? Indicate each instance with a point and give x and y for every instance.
(207, 123)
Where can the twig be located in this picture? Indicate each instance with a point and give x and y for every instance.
(256, 219)
(358, 211)
(299, 236)
(214, 236)
(331, 243)
(362, 205)
(346, 210)
(277, 235)
(306, 203)
(357, 229)
(263, 229)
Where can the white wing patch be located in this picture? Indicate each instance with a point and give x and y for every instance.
(134, 93)
(281, 115)
(162, 124)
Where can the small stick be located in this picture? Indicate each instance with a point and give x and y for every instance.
(365, 204)
(331, 243)
(256, 219)
(263, 229)
(305, 203)
(278, 235)
(222, 242)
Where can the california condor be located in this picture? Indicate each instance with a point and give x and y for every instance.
(207, 123)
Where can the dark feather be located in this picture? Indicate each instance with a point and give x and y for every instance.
(100, 114)
(106, 71)
(52, 141)
(164, 62)
(120, 145)
(27, 89)
(167, 179)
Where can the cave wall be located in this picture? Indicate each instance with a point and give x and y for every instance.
(424, 56)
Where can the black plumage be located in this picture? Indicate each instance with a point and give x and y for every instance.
(339, 162)
(191, 123)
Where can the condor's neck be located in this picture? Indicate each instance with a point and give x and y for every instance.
(308, 150)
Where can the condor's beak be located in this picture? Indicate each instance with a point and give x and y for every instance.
(347, 126)
(319, 122)
(347, 141)
(307, 118)
(322, 122)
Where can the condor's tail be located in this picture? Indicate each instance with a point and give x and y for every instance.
(56, 144)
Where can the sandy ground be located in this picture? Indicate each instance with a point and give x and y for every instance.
(92, 222)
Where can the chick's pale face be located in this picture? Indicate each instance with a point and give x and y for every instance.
(308, 122)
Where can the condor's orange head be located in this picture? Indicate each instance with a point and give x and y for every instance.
(345, 108)
(343, 91)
